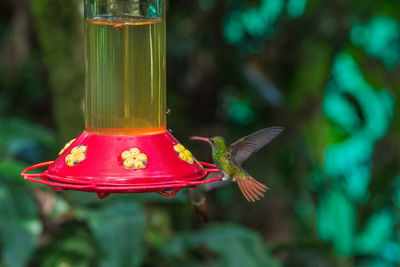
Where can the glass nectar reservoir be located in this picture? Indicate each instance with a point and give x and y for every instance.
(125, 67)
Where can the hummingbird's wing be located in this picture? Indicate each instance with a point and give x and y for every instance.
(243, 148)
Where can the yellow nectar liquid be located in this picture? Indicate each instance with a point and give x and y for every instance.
(125, 76)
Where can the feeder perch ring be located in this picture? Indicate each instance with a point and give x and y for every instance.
(104, 189)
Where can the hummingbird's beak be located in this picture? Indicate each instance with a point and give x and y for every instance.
(200, 138)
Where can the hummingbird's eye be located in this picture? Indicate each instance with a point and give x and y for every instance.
(212, 141)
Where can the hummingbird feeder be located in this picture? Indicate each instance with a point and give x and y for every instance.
(125, 147)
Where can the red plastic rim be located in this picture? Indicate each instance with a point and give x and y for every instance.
(104, 189)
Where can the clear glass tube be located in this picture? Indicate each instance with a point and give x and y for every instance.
(125, 82)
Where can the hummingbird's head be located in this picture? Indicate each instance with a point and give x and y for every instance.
(217, 142)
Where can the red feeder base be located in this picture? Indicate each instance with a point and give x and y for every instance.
(107, 164)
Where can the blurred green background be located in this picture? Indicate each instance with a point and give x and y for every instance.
(328, 71)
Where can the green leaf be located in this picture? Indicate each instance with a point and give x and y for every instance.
(234, 245)
(25, 140)
(70, 247)
(119, 231)
(336, 220)
(10, 171)
(377, 231)
(19, 224)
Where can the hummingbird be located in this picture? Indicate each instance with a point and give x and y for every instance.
(229, 159)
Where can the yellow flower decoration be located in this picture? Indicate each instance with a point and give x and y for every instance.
(179, 148)
(183, 156)
(128, 163)
(78, 154)
(126, 155)
(134, 151)
(142, 157)
(183, 153)
(66, 146)
(134, 159)
(139, 164)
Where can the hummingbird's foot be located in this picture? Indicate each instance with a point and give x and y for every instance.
(226, 176)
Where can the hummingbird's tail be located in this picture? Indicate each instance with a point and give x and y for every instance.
(251, 188)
